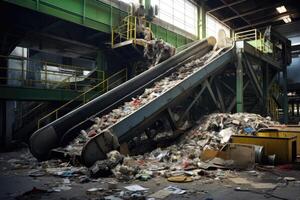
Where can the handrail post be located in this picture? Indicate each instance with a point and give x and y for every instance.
(75, 82)
(112, 37)
(23, 77)
(46, 75)
(255, 32)
(106, 85)
(128, 28)
(260, 41)
(134, 30)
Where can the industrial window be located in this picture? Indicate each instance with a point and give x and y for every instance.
(213, 26)
(180, 13)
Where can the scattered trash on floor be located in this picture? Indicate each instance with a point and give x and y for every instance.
(263, 185)
(175, 190)
(289, 179)
(93, 190)
(135, 188)
(240, 180)
(161, 194)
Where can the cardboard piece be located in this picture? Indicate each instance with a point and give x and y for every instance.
(239, 180)
(263, 185)
(208, 154)
(240, 156)
(243, 155)
(161, 194)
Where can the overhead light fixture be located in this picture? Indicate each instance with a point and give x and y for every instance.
(281, 9)
(287, 19)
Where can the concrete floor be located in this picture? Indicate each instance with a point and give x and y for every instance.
(14, 182)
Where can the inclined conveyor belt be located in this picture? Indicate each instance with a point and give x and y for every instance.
(66, 128)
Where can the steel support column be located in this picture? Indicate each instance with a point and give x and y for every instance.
(100, 64)
(147, 7)
(6, 123)
(285, 97)
(232, 104)
(265, 88)
(239, 82)
(201, 21)
(2, 123)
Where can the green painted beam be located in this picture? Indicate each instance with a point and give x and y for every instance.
(171, 37)
(94, 14)
(239, 83)
(90, 13)
(37, 94)
(202, 21)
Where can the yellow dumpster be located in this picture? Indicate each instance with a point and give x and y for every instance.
(284, 147)
(283, 130)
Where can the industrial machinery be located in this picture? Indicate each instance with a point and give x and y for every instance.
(201, 74)
(69, 126)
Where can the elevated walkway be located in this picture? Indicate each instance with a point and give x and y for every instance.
(24, 79)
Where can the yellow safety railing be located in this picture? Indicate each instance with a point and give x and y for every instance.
(104, 86)
(127, 30)
(256, 39)
(52, 75)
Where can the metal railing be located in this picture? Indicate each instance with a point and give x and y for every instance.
(102, 87)
(19, 72)
(127, 30)
(256, 39)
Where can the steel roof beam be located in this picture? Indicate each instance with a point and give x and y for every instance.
(226, 5)
(276, 18)
(236, 12)
(249, 13)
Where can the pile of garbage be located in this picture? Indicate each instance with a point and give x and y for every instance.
(149, 94)
(157, 50)
(185, 159)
